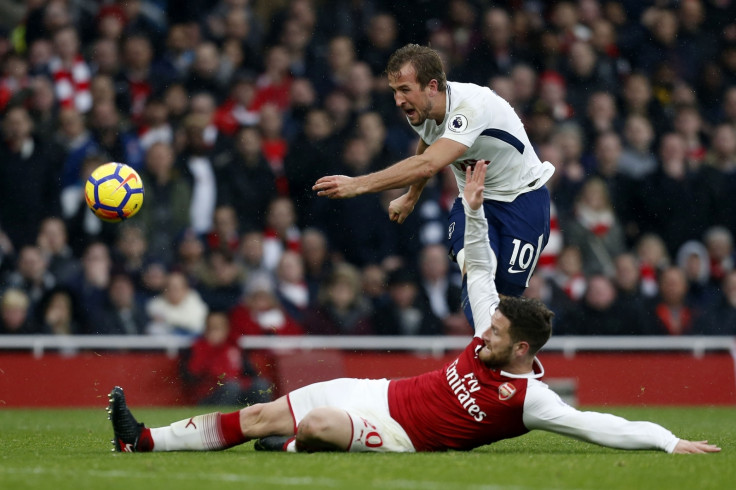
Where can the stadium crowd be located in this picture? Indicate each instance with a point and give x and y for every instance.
(231, 110)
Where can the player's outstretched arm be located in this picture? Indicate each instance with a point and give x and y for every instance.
(480, 262)
(401, 174)
(695, 447)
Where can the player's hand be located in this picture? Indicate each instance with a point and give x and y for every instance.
(400, 208)
(336, 187)
(695, 447)
(475, 178)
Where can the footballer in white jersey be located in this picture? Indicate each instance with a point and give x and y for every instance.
(460, 124)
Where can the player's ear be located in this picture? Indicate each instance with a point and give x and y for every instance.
(521, 348)
(432, 85)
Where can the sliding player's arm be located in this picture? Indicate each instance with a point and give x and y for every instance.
(544, 410)
(480, 261)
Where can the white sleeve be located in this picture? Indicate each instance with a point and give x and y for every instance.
(543, 409)
(480, 266)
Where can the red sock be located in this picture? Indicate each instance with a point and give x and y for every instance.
(145, 441)
(231, 431)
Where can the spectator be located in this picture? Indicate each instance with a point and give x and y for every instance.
(91, 285)
(131, 251)
(140, 77)
(341, 308)
(692, 259)
(719, 318)
(719, 243)
(568, 275)
(547, 291)
(599, 115)
(637, 160)
(381, 39)
(179, 309)
(218, 372)
(274, 83)
(191, 257)
(29, 189)
(372, 130)
(273, 144)
(206, 74)
(405, 312)
(195, 161)
(78, 143)
(672, 314)
(443, 297)
(584, 76)
(637, 98)
(666, 189)
(32, 275)
(307, 159)
(317, 264)
(247, 182)
(495, 53)
(689, 124)
(291, 287)
(281, 232)
(336, 70)
(221, 281)
(154, 124)
(69, 70)
(84, 227)
(629, 286)
(653, 257)
(225, 232)
(600, 313)
(111, 136)
(166, 212)
(54, 245)
(237, 110)
(58, 313)
(595, 230)
(121, 314)
(251, 253)
(260, 313)
(16, 315)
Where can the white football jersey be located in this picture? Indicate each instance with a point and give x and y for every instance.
(484, 122)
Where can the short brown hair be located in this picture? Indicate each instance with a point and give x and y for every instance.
(531, 321)
(426, 62)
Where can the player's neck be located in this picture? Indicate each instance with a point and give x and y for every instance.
(439, 109)
(519, 366)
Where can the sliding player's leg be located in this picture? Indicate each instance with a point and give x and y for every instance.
(207, 432)
(342, 415)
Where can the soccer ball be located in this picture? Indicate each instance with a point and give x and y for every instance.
(114, 192)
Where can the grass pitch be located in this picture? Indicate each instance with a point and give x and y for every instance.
(70, 449)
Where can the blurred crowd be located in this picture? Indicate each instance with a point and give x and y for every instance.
(231, 110)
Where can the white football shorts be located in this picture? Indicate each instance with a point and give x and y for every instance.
(366, 403)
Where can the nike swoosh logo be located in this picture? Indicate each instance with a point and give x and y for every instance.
(515, 271)
(127, 179)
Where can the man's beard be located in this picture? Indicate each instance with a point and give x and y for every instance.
(499, 360)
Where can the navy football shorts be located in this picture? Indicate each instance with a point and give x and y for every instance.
(518, 232)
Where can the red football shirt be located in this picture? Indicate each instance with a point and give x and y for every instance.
(461, 406)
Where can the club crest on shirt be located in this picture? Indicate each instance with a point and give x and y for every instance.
(457, 123)
(450, 230)
(506, 391)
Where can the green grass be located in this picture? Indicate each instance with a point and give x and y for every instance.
(70, 449)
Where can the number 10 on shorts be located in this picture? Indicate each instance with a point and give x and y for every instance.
(524, 258)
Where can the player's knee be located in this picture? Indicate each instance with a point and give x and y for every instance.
(318, 431)
(315, 424)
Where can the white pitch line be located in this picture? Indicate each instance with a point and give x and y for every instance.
(305, 481)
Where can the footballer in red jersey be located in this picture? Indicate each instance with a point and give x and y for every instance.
(491, 391)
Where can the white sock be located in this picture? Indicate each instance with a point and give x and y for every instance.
(200, 433)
